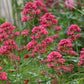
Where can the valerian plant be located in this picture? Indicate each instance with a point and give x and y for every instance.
(37, 55)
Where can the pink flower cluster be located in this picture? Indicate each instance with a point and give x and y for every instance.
(57, 28)
(49, 2)
(54, 58)
(4, 50)
(0, 68)
(40, 31)
(7, 82)
(14, 58)
(72, 30)
(43, 72)
(55, 36)
(11, 43)
(3, 75)
(41, 48)
(38, 48)
(81, 62)
(48, 40)
(65, 45)
(25, 32)
(69, 4)
(6, 31)
(31, 9)
(56, 61)
(7, 35)
(31, 44)
(48, 20)
(30, 55)
(66, 68)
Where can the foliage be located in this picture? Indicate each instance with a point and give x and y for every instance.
(2, 21)
(46, 46)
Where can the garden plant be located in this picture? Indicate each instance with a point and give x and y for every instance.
(49, 49)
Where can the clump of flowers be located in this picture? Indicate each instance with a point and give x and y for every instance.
(69, 4)
(7, 35)
(72, 31)
(44, 72)
(67, 68)
(3, 75)
(48, 20)
(25, 32)
(31, 9)
(53, 58)
(65, 45)
(55, 61)
(49, 2)
(57, 28)
(14, 58)
(40, 31)
(81, 62)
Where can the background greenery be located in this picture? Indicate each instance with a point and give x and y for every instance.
(29, 69)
